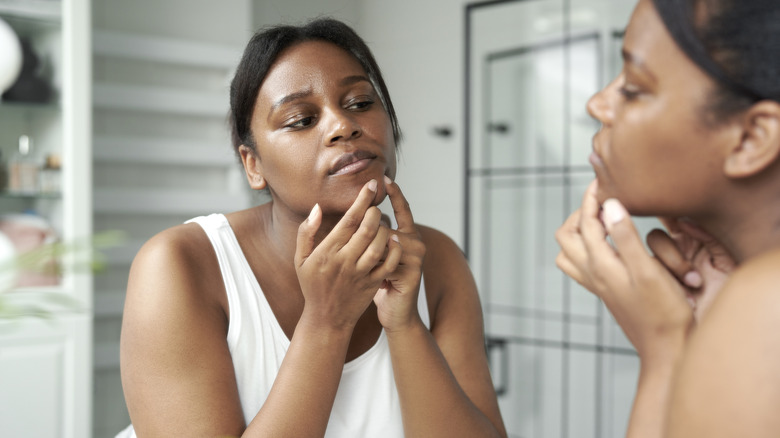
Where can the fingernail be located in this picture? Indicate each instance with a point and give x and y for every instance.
(395, 237)
(692, 279)
(613, 211)
(388, 180)
(372, 185)
(313, 212)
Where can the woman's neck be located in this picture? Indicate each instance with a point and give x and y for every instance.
(747, 228)
(281, 226)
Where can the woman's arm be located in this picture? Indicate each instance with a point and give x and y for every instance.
(177, 371)
(177, 374)
(442, 375)
(644, 297)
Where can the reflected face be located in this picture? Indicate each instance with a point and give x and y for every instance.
(320, 130)
(654, 152)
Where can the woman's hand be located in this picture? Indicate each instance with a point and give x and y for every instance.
(342, 274)
(396, 300)
(645, 299)
(698, 260)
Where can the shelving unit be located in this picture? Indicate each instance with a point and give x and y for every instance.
(161, 155)
(46, 364)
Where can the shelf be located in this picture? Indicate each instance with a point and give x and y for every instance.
(164, 50)
(29, 195)
(160, 100)
(37, 10)
(166, 202)
(161, 151)
(29, 107)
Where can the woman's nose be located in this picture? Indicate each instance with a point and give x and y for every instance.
(342, 127)
(600, 105)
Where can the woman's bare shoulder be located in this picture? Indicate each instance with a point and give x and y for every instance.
(753, 287)
(178, 262)
(180, 241)
(444, 259)
(749, 299)
(728, 380)
(438, 244)
(448, 280)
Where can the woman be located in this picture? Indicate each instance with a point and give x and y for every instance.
(308, 315)
(691, 131)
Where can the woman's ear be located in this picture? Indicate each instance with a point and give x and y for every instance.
(760, 143)
(252, 167)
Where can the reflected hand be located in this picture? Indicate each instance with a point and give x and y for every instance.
(698, 260)
(645, 299)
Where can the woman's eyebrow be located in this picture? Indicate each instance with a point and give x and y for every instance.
(289, 98)
(630, 58)
(349, 80)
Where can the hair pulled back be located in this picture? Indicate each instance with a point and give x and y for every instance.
(736, 42)
(264, 48)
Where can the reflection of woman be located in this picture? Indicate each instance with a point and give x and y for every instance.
(307, 316)
(691, 129)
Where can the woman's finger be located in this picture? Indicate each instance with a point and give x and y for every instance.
(353, 218)
(306, 232)
(362, 238)
(667, 251)
(569, 268)
(392, 260)
(721, 258)
(570, 241)
(594, 235)
(401, 209)
(373, 253)
(624, 235)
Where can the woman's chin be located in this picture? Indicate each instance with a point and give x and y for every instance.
(381, 194)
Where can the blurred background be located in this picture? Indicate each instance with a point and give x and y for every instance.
(126, 130)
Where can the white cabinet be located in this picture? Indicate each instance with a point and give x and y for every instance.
(45, 364)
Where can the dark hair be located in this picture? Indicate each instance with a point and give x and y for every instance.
(735, 42)
(266, 45)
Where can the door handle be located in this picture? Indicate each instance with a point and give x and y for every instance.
(498, 356)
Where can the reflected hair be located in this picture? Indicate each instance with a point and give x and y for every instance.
(735, 42)
(264, 48)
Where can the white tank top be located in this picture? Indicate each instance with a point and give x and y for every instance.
(366, 403)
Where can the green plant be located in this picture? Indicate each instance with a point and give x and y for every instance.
(53, 259)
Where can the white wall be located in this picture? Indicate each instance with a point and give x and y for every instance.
(271, 12)
(419, 44)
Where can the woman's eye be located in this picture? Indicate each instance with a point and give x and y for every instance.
(361, 104)
(629, 93)
(300, 123)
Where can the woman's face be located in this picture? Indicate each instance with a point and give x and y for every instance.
(320, 130)
(654, 152)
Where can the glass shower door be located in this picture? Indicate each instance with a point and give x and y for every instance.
(561, 365)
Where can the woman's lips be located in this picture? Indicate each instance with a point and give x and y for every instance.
(595, 160)
(353, 167)
(352, 162)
